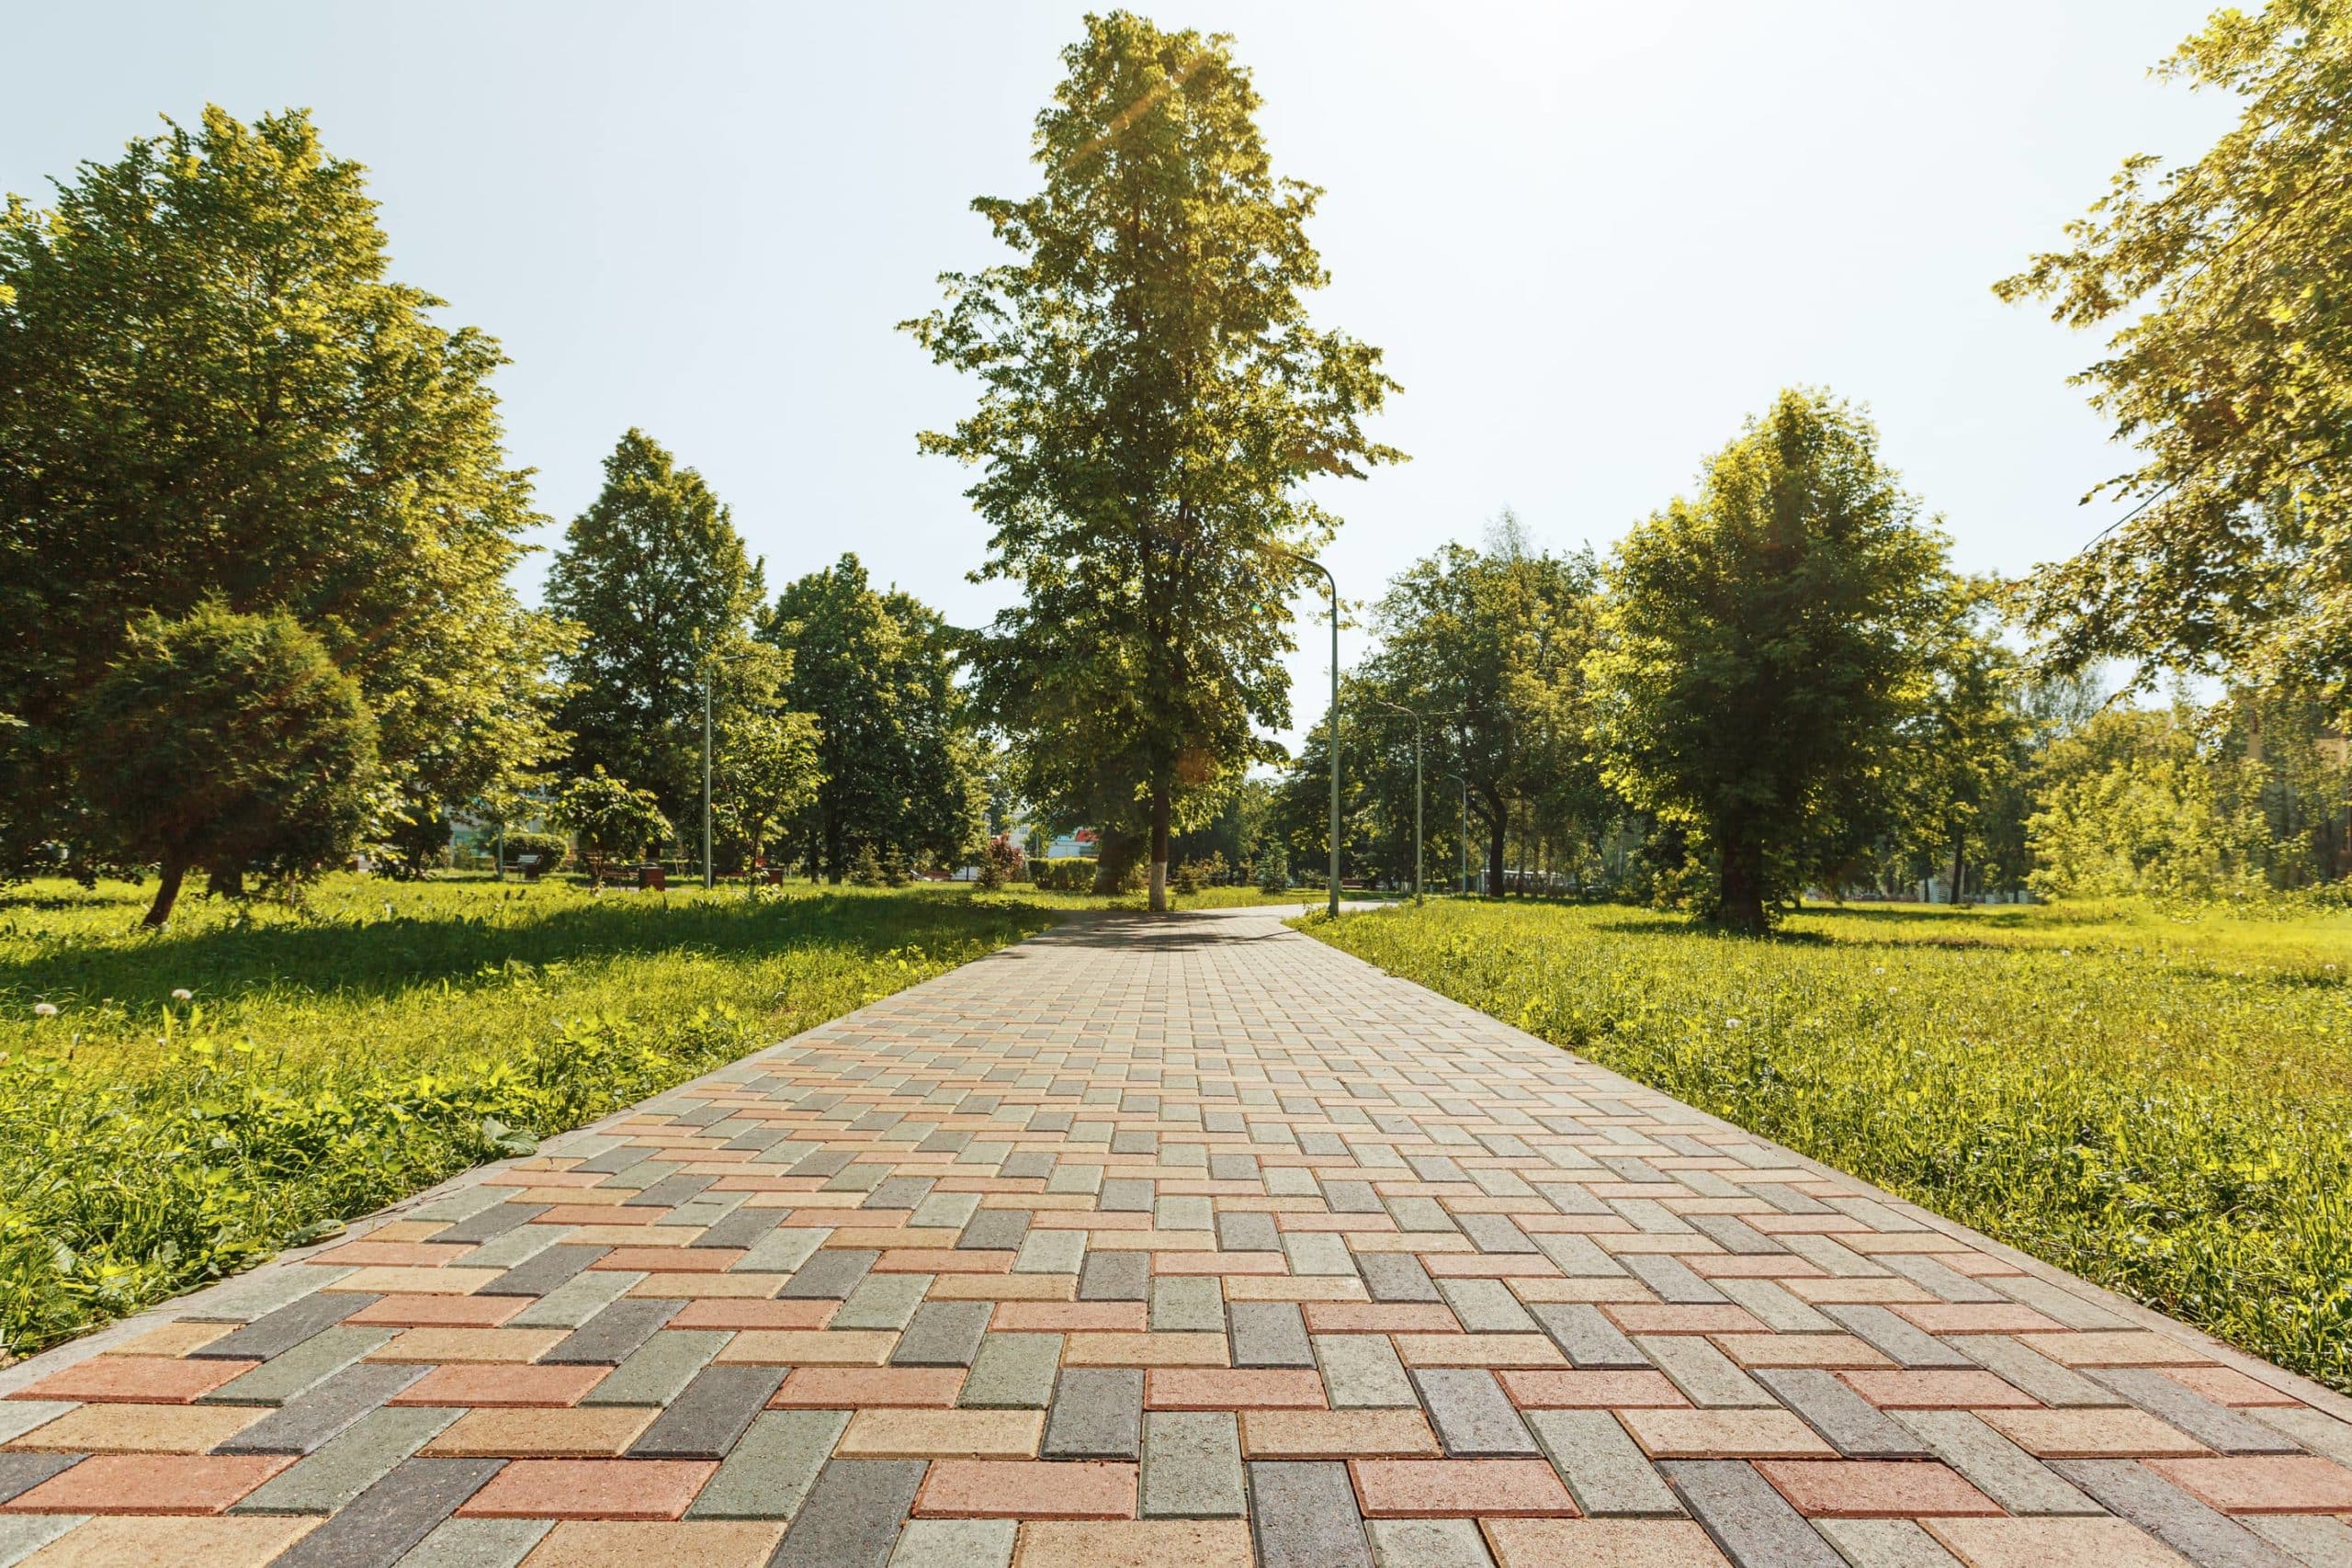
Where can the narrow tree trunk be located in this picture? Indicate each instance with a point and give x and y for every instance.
(1160, 850)
(1740, 899)
(167, 893)
(1959, 865)
(1495, 847)
(225, 882)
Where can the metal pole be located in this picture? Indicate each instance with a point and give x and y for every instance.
(1417, 809)
(1333, 907)
(1465, 780)
(708, 881)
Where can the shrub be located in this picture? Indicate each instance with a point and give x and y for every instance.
(1273, 869)
(1187, 878)
(553, 850)
(865, 867)
(1071, 875)
(614, 819)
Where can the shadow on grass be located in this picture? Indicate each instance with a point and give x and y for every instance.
(386, 957)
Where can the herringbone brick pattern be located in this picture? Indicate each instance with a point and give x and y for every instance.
(1190, 1241)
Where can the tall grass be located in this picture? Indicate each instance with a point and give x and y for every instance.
(2162, 1105)
(329, 1059)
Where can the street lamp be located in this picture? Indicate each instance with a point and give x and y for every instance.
(1334, 722)
(1416, 718)
(709, 668)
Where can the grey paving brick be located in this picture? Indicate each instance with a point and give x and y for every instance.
(831, 1274)
(1994, 1465)
(2216, 1426)
(1269, 1334)
(1704, 1374)
(1012, 1371)
(672, 1191)
(2319, 1433)
(375, 1529)
(1587, 1337)
(1671, 1278)
(942, 1334)
(995, 1230)
(517, 1246)
(1247, 1232)
(772, 1467)
(577, 1300)
(1421, 1215)
(2032, 1373)
(1495, 1233)
(1885, 1543)
(1428, 1543)
(1050, 1252)
(25, 1534)
(1396, 1277)
(1126, 1195)
(1771, 1304)
(1027, 1165)
(1187, 1303)
(1908, 1345)
(782, 1250)
(1349, 1197)
(706, 1418)
(1949, 1283)
(20, 1473)
(656, 1371)
(2056, 1302)
(1578, 1256)
(1318, 1252)
(617, 1158)
(300, 1368)
(1305, 1516)
(882, 1301)
(489, 1224)
(280, 1331)
(945, 1211)
(348, 1465)
(551, 1267)
(1733, 1235)
(478, 1543)
(310, 1421)
(263, 1291)
(2315, 1540)
(1472, 1417)
(1361, 1371)
(1605, 1472)
(1191, 1466)
(1749, 1521)
(1485, 1306)
(900, 1192)
(18, 1416)
(1853, 1425)
(614, 1334)
(742, 1227)
(1228, 1167)
(2208, 1539)
(1097, 1414)
(955, 1543)
(1115, 1277)
(851, 1516)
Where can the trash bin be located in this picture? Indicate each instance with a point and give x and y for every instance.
(652, 878)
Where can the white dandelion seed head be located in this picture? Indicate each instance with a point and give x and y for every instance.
(182, 994)
(44, 1009)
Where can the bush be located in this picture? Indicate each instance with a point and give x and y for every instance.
(866, 868)
(614, 819)
(1273, 871)
(1071, 874)
(553, 850)
(1187, 878)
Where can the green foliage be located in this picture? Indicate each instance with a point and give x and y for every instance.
(1187, 877)
(210, 390)
(866, 868)
(1761, 647)
(2158, 1105)
(899, 762)
(226, 742)
(1153, 401)
(612, 819)
(148, 1145)
(1273, 869)
(656, 576)
(764, 775)
(1071, 874)
(2229, 369)
(2130, 806)
(553, 850)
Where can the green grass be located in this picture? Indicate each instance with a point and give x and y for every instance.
(333, 1058)
(2161, 1104)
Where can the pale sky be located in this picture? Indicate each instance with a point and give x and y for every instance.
(1591, 238)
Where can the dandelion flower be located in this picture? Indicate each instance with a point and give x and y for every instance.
(1731, 1023)
(44, 1009)
(182, 994)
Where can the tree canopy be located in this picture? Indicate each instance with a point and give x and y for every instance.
(1153, 400)
(212, 391)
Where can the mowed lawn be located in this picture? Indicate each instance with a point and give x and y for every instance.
(2162, 1105)
(331, 1059)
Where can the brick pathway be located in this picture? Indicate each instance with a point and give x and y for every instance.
(1194, 1242)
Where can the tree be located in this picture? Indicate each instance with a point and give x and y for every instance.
(1971, 734)
(2135, 804)
(223, 742)
(765, 774)
(1153, 399)
(2231, 370)
(900, 765)
(656, 576)
(1760, 650)
(209, 391)
(611, 818)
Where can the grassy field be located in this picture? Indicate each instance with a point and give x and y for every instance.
(328, 1060)
(2160, 1104)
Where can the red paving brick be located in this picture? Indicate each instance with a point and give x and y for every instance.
(589, 1489)
(1429, 1489)
(1027, 1489)
(140, 1380)
(2284, 1484)
(150, 1484)
(1874, 1489)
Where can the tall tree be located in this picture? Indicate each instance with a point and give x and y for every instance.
(1972, 740)
(211, 390)
(657, 577)
(900, 766)
(2228, 280)
(1760, 650)
(1154, 399)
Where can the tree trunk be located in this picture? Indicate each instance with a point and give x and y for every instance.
(1740, 899)
(1495, 846)
(1959, 865)
(167, 893)
(224, 882)
(1160, 850)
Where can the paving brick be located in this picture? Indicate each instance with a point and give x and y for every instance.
(21, 1534)
(2031, 1372)
(1609, 1543)
(148, 1484)
(1905, 1343)
(477, 1543)
(1427, 1543)
(1892, 1544)
(2207, 1537)
(378, 1525)
(1704, 1374)
(699, 1543)
(1134, 1544)
(833, 1273)
(185, 1542)
(1747, 1520)
(1306, 1515)
(1187, 1303)
(2093, 1434)
(2215, 1426)
(774, 1465)
(941, 1433)
(1362, 1371)
(20, 1473)
(1937, 1391)
(553, 1386)
(590, 1489)
(1995, 1465)
(1855, 1427)
(1472, 1417)
(955, 1543)
(1097, 1412)
(1396, 1277)
(657, 1370)
(1269, 1334)
(277, 1332)
(1587, 1336)
(2052, 1543)
(1028, 1489)
(139, 1429)
(1414, 1488)
(1114, 1277)
(1723, 1434)
(2310, 1538)
(603, 1432)
(1338, 1434)
(1192, 1465)
(942, 1334)
(545, 1270)
(570, 1304)
(1605, 1472)
(706, 1418)
(2298, 1483)
(614, 1334)
(1864, 1489)
(138, 1380)
(347, 1465)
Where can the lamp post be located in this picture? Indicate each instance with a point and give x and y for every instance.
(1463, 781)
(710, 669)
(1334, 722)
(1416, 718)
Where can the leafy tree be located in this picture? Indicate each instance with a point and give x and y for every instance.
(656, 576)
(1760, 651)
(209, 391)
(2230, 368)
(611, 819)
(2134, 805)
(900, 766)
(764, 773)
(1970, 740)
(1154, 399)
(227, 741)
